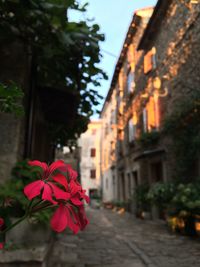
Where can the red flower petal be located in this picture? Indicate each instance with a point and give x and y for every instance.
(1, 245)
(33, 189)
(59, 193)
(71, 224)
(1, 221)
(74, 187)
(61, 179)
(40, 164)
(81, 218)
(76, 201)
(57, 165)
(72, 173)
(47, 194)
(84, 196)
(59, 219)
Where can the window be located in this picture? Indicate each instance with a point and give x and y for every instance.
(92, 152)
(135, 178)
(150, 60)
(145, 120)
(106, 183)
(92, 174)
(131, 131)
(157, 172)
(130, 82)
(151, 115)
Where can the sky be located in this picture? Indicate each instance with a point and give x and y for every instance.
(113, 17)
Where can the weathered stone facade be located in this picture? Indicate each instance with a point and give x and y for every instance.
(15, 66)
(176, 73)
(117, 111)
(165, 70)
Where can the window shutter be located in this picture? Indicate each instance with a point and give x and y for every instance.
(92, 174)
(148, 62)
(151, 114)
(131, 130)
(130, 82)
(145, 120)
(93, 152)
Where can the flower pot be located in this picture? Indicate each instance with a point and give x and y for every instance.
(197, 224)
(27, 234)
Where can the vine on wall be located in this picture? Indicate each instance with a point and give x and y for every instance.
(183, 126)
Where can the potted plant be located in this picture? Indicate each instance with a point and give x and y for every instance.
(160, 194)
(186, 205)
(142, 203)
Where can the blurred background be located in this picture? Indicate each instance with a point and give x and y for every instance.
(112, 88)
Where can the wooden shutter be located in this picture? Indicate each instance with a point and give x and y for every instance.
(93, 152)
(92, 174)
(148, 64)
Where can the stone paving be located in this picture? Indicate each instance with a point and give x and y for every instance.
(113, 240)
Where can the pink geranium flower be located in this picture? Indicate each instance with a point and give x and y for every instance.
(72, 214)
(67, 216)
(67, 193)
(1, 228)
(81, 218)
(1, 223)
(77, 193)
(46, 185)
(72, 173)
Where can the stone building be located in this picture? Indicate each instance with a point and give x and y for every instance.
(117, 185)
(150, 84)
(167, 75)
(90, 158)
(108, 147)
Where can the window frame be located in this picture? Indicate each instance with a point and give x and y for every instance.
(93, 152)
(131, 131)
(93, 174)
(130, 81)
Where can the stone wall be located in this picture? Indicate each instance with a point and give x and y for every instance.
(15, 66)
(176, 39)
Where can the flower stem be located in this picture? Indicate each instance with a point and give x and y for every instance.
(18, 221)
(14, 224)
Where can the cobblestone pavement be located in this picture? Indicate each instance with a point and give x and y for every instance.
(113, 240)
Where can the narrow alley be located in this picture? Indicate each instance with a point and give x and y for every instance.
(121, 240)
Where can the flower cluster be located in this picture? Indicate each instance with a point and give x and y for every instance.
(1, 228)
(57, 187)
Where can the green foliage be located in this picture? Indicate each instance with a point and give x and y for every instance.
(176, 198)
(183, 126)
(24, 172)
(42, 218)
(11, 99)
(161, 193)
(140, 196)
(13, 202)
(148, 139)
(64, 54)
(186, 199)
(61, 134)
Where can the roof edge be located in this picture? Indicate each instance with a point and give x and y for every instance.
(159, 11)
